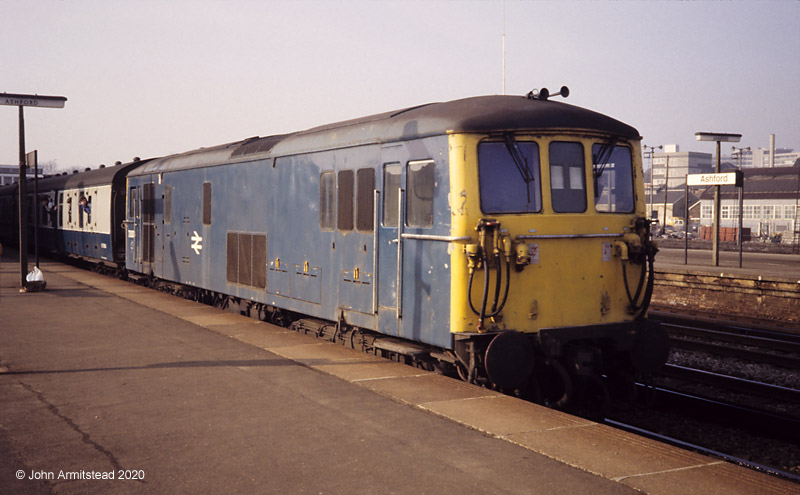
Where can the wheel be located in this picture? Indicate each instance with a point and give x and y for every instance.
(554, 384)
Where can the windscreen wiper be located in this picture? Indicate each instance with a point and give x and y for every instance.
(601, 160)
(603, 156)
(520, 161)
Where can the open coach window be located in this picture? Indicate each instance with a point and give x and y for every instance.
(613, 176)
(509, 176)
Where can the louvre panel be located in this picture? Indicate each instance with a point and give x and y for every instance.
(232, 260)
(148, 201)
(147, 243)
(260, 261)
(246, 259)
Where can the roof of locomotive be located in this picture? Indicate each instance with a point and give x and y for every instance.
(482, 114)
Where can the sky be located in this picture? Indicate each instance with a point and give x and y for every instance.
(150, 78)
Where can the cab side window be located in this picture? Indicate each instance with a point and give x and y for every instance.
(567, 177)
(420, 181)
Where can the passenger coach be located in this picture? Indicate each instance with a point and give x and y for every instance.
(80, 214)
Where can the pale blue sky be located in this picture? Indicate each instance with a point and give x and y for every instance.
(152, 77)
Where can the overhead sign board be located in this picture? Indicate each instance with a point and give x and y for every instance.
(727, 179)
(718, 136)
(18, 100)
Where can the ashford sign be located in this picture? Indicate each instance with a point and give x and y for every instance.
(32, 100)
(727, 179)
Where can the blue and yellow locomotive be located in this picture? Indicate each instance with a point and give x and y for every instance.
(506, 234)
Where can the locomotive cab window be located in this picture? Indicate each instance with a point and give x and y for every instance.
(567, 177)
(509, 176)
(365, 199)
(612, 170)
(420, 181)
(391, 191)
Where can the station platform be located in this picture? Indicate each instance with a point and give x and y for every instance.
(779, 267)
(100, 377)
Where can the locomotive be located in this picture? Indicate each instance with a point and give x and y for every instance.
(502, 238)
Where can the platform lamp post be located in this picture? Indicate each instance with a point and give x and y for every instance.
(718, 137)
(649, 154)
(740, 231)
(21, 101)
(666, 196)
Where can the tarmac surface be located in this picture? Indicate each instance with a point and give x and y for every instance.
(102, 377)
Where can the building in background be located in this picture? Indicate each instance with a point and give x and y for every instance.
(677, 164)
(9, 174)
(771, 203)
(763, 157)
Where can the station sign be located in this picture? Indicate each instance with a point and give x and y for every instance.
(726, 179)
(18, 100)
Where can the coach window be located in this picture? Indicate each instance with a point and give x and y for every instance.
(88, 209)
(613, 178)
(365, 199)
(391, 191)
(206, 203)
(60, 210)
(327, 200)
(509, 177)
(420, 181)
(345, 190)
(567, 177)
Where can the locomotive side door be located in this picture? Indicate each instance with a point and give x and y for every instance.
(389, 238)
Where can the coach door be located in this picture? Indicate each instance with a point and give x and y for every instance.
(141, 227)
(133, 220)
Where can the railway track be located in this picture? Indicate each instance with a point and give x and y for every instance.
(750, 354)
(732, 383)
(726, 322)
